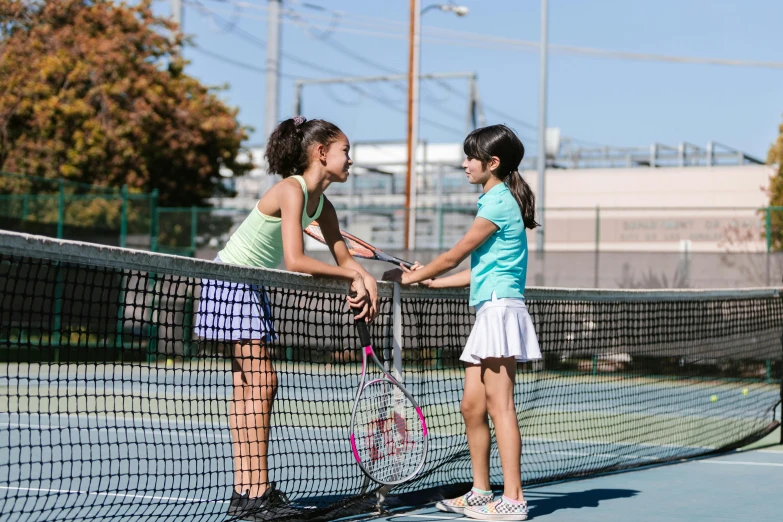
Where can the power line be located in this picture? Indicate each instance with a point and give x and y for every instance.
(244, 65)
(261, 43)
(384, 28)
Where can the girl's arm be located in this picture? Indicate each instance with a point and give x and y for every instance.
(480, 231)
(458, 280)
(330, 226)
(291, 201)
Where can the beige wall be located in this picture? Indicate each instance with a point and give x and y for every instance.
(700, 209)
(731, 186)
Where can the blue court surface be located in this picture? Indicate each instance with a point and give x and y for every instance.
(129, 443)
(738, 486)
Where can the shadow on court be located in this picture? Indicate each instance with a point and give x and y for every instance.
(574, 500)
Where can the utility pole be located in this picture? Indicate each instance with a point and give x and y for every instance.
(272, 67)
(413, 116)
(176, 12)
(542, 85)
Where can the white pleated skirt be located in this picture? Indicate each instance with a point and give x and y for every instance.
(503, 328)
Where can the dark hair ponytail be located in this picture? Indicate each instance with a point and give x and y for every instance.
(288, 148)
(502, 142)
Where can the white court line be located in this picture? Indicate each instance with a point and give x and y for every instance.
(109, 494)
(740, 463)
(609, 443)
(606, 455)
(174, 433)
(191, 435)
(163, 426)
(426, 516)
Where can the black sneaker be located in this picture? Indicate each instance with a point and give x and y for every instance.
(272, 505)
(237, 506)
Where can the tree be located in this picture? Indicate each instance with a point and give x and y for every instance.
(96, 92)
(775, 157)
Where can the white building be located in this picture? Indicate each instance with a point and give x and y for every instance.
(656, 199)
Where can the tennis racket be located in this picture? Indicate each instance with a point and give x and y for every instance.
(388, 431)
(357, 247)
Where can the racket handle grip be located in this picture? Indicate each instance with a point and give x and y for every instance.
(364, 332)
(361, 326)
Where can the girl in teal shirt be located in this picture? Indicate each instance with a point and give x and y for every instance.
(503, 333)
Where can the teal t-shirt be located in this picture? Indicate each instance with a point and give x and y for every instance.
(500, 263)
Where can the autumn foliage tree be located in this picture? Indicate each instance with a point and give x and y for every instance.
(775, 157)
(95, 91)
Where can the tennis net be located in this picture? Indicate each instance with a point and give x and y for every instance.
(111, 406)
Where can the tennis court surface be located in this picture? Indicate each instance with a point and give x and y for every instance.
(112, 409)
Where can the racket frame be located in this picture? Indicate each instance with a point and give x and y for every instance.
(367, 350)
(374, 253)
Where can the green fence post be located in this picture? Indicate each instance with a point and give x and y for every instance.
(119, 341)
(193, 229)
(440, 225)
(595, 365)
(769, 229)
(25, 206)
(154, 217)
(124, 216)
(60, 209)
(597, 254)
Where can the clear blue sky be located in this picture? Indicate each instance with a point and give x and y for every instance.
(600, 100)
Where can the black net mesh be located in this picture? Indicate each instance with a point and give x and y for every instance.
(119, 402)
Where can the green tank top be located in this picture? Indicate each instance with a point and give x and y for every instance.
(259, 239)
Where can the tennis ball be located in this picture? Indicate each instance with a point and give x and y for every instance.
(714, 398)
(744, 391)
(169, 362)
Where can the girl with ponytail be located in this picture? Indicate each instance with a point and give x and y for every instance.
(503, 333)
(310, 155)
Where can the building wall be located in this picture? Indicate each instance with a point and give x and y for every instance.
(642, 209)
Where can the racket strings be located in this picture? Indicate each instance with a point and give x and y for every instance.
(389, 433)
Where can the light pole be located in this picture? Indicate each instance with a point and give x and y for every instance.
(272, 67)
(542, 79)
(176, 12)
(414, 52)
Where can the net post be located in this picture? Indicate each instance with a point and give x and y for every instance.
(381, 495)
(397, 332)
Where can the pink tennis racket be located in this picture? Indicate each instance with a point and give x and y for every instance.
(388, 431)
(357, 247)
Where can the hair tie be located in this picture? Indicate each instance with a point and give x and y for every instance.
(298, 120)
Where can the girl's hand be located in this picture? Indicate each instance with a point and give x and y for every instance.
(358, 298)
(372, 289)
(395, 276)
(417, 266)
